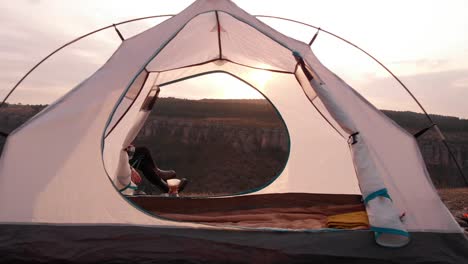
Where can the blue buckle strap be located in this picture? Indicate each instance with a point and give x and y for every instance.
(384, 230)
(382, 192)
(129, 186)
(380, 230)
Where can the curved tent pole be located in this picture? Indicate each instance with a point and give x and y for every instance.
(73, 41)
(357, 47)
(264, 16)
(441, 135)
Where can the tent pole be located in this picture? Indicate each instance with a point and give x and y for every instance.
(264, 16)
(391, 73)
(69, 43)
(357, 47)
(218, 25)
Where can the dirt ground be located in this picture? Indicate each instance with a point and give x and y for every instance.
(457, 202)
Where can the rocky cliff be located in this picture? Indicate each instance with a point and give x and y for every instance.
(443, 170)
(251, 127)
(198, 132)
(248, 140)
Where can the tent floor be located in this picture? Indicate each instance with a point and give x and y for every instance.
(136, 244)
(285, 210)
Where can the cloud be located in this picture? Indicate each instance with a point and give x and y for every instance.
(32, 29)
(461, 82)
(22, 45)
(424, 63)
(444, 92)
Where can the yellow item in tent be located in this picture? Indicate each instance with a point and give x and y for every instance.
(354, 220)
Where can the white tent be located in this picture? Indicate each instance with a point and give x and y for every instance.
(340, 143)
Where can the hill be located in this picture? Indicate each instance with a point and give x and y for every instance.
(246, 142)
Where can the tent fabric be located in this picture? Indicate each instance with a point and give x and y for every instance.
(396, 154)
(85, 131)
(115, 158)
(183, 50)
(127, 101)
(383, 217)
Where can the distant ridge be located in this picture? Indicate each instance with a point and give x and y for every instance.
(12, 115)
(260, 113)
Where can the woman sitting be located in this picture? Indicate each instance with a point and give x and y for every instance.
(140, 158)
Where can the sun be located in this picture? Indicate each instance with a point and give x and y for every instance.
(215, 86)
(233, 88)
(261, 78)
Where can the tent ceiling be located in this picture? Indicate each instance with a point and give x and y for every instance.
(220, 36)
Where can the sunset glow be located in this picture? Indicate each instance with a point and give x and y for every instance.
(422, 42)
(212, 86)
(261, 77)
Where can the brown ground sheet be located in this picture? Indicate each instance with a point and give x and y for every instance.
(289, 210)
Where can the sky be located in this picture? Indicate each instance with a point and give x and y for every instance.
(423, 42)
